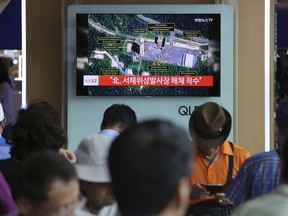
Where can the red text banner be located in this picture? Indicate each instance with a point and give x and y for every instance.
(155, 80)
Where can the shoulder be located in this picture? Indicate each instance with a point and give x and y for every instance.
(3, 142)
(5, 90)
(98, 137)
(5, 85)
(240, 151)
(94, 139)
(81, 209)
(267, 204)
(110, 210)
(238, 148)
(263, 158)
(249, 208)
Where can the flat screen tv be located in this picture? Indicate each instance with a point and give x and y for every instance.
(146, 50)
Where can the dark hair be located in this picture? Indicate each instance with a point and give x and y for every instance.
(119, 114)
(283, 89)
(40, 170)
(4, 76)
(284, 161)
(37, 127)
(146, 163)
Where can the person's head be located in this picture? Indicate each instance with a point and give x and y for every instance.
(49, 185)
(4, 75)
(38, 127)
(2, 119)
(93, 172)
(118, 117)
(281, 122)
(150, 165)
(209, 126)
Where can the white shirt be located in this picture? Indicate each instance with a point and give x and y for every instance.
(82, 210)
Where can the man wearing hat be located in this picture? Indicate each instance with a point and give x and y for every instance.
(97, 197)
(92, 168)
(217, 160)
(4, 146)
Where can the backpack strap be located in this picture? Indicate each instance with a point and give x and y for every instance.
(230, 165)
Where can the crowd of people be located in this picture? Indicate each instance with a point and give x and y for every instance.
(148, 168)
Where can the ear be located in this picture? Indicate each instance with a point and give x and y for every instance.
(183, 192)
(24, 206)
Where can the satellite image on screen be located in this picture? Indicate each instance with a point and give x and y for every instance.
(148, 54)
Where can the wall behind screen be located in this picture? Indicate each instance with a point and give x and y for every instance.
(45, 61)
